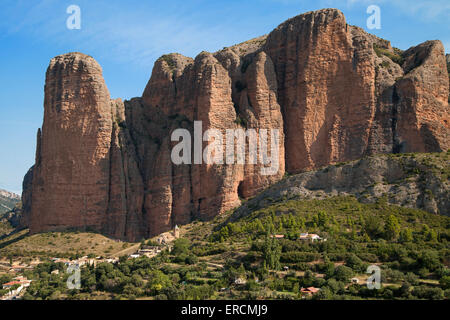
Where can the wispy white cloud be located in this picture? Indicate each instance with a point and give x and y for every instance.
(137, 33)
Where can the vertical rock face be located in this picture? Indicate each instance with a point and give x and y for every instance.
(423, 118)
(201, 90)
(334, 93)
(341, 100)
(83, 178)
(326, 88)
(70, 177)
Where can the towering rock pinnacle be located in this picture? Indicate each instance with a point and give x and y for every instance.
(70, 177)
(334, 92)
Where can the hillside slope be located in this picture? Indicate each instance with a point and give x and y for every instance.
(239, 260)
(411, 180)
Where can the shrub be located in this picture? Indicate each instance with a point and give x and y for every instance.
(294, 257)
(181, 246)
(445, 282)
(396, 56)
(355, 263)
(343, 273)
(423, 292)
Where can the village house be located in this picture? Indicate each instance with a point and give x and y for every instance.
(11, 284)
(85, 261)
(149, 252)
(310, 237)
(277, 236)
(67, 262)
(309, 291)
(112, 260)
(18, 268)
(20, 282)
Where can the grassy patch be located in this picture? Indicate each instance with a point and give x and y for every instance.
(62, 244)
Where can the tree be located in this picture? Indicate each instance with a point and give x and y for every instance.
(445, 282)
(335, 286)
(432, 235)
(5, 278)
(406, 235)
(272, 253)
(181, 246)
(391, 228)
(329, 269)
(372, 227)
(241, 271)
(412, 278)
(158, 281)
(405, 289)
(429, 259)
(343, 273)
(191, 259)
(321, 219)
(354, 262)
(324, 294)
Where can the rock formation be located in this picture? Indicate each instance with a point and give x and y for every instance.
(333, 91)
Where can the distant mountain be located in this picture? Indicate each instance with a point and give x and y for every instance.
(8, 200)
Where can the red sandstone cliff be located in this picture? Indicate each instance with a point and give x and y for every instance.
(335, 93)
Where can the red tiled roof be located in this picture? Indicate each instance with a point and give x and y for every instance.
(12, 283)
(310, 290)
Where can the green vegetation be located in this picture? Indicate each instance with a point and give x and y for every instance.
(169, 60)
(241, 121)
(262, 256)
(385, 64)
(396, 56)
(5, 227)
(410, 246)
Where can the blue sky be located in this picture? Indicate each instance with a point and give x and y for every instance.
(126, 37)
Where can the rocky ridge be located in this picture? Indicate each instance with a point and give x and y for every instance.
(411, 180)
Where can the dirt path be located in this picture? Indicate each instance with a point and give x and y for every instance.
(127, 251)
